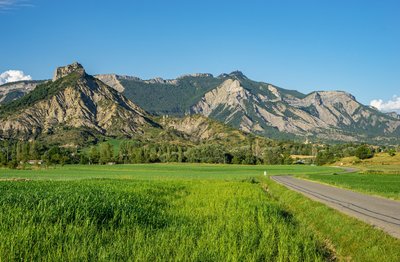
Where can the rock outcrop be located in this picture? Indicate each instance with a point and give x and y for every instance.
(81, 101)
(333, 115)
(263, 108)
(112, 81)
(66, 70)
(255, 107)
(15, 90)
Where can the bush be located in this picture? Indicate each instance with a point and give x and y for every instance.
(392, 152)
(364, 152)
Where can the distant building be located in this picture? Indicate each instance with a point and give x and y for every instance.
(35, 162)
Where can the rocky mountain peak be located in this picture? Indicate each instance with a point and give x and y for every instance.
(394, 115)
(75, 103)
(196, 75)
(68, 69)
(112, 81)
(238, 74)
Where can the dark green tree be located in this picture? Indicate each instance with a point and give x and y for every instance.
(364, 152)
(106, 153)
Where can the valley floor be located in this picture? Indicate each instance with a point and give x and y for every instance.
(175, 212)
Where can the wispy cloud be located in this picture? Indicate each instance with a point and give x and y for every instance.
(13, 76)
(388, 106)
(8, 5)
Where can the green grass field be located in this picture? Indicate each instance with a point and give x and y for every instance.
(161, 171)
(386, 185)
(175, 212)
(381, 163)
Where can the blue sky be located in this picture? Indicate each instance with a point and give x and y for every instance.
(304, 45)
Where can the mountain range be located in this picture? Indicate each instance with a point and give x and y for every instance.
(115, 105)
(260, 108)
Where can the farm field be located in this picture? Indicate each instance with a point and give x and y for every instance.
(381, 163)
(161, 171)
(175, 212)
(386, 185)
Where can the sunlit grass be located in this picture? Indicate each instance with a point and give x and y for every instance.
(179, 212)
(386, 185)
(146, 221)
(161, 171)
(351, 239)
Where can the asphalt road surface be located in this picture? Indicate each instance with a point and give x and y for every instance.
(380, 212)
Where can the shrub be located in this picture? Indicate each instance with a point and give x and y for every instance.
(364, 152)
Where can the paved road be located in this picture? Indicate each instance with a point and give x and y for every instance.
(380, 212)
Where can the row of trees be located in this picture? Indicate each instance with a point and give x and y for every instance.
(332, 154)
(16, 153)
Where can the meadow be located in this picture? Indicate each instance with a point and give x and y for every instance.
(381, 163)
(386, 185)
(179, 212)
(160, 171)
(379, 175)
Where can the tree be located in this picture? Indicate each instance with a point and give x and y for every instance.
(364, 152)
(180, 155)
(106, 153)
(324, 157)
(34, 150)
(392, 152)
(53, 156)
(228, 157)
(94, 155)
(273, 156)
(3, 158)
(83, 160)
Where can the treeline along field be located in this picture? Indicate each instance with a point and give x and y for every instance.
(249, 150)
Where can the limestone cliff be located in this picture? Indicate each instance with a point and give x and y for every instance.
(15, 90)
(74, 99)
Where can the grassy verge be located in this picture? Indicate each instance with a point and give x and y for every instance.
(350, 238)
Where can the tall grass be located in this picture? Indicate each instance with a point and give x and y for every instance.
(102, 219)
(351, 239)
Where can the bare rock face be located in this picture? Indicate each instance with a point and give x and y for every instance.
(202, 128)
(394, 115)
(159, 80)
(230, 95)
(196, 75)
(15, 90)
(112, 81)
(87, 103)
(66, 70)
(327, 114)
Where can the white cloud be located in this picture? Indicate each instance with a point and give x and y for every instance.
(7, 5)
(388, 106)
(13, 76)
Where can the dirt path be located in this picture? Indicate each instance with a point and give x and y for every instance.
(380, 212)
